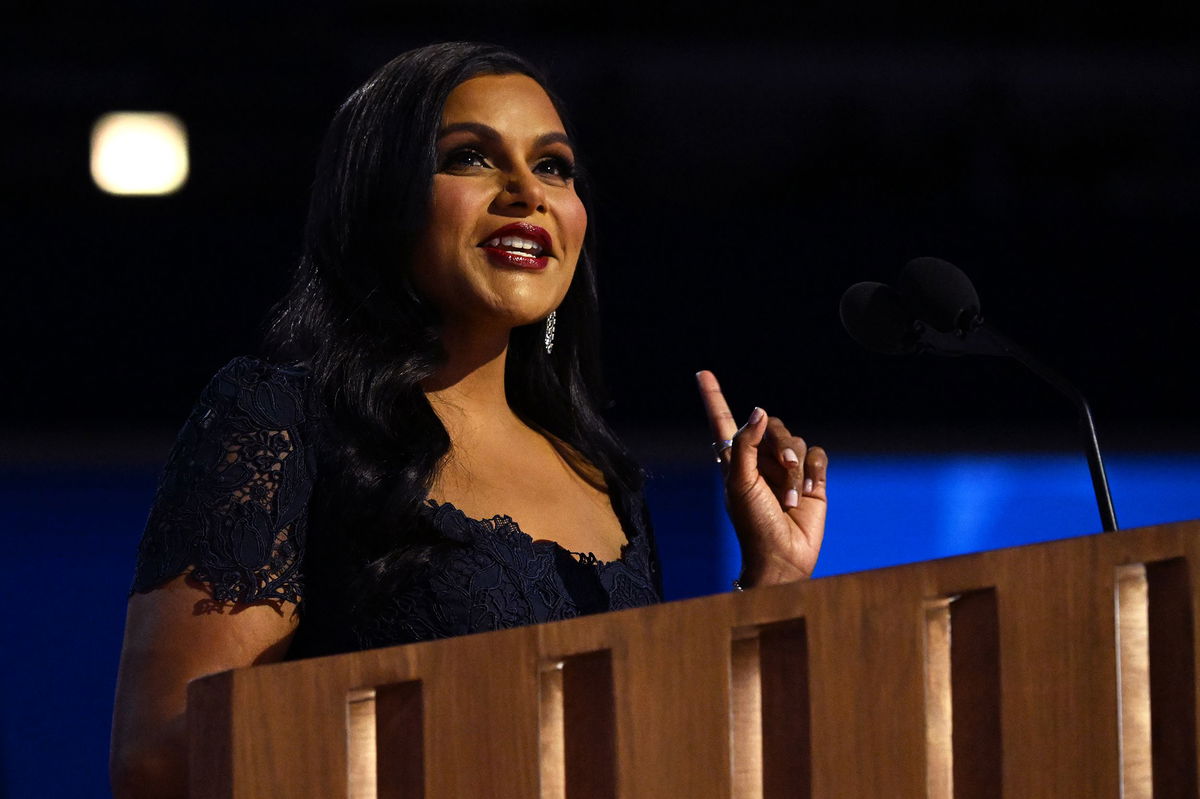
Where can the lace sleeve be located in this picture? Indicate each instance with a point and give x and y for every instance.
(232, 503)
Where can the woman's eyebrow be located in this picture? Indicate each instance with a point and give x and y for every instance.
(555, 137)
(488, 132)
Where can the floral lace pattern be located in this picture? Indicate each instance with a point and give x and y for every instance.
(231, 510)
(503, 578)
(230, 507)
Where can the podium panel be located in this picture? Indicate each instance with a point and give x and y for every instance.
(1058, 669)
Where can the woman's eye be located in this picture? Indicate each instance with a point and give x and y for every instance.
(463, 158)
(555, 167)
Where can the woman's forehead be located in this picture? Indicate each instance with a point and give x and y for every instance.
(512, 102)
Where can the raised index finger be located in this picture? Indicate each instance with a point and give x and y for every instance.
(719, 418)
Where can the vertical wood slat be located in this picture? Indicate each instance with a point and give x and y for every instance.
(786, 716)
(673, 706)
(283, 733)
(867, 700)
(281, 729)
(589, 726)
(481, 720)
(1058, 667)
(551, 744)
(975, 695)
(1172, 678)
(770, 718)
(963, 752)
(400, 741)
(361, 760)
(939, 727)
(1133, 681)
(745, 716)
(211, 768)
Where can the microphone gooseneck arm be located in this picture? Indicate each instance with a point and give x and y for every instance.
(979, 338)
(935, 309)
(1091, 443)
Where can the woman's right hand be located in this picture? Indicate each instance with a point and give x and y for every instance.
(774, 491)
(173, 635)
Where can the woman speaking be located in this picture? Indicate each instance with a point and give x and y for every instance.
(418, 452)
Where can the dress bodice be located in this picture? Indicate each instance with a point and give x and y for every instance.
(232, 510)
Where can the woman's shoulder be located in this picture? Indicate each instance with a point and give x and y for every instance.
(251, 393)
(260, 385)
(251, 424)
(254, 367)
(232, 500)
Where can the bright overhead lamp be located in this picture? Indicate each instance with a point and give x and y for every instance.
(139, 152)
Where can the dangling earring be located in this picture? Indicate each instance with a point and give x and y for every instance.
(550, 331)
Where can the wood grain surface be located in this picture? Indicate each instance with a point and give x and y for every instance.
(993, 674)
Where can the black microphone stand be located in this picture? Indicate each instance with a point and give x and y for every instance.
(980, 339)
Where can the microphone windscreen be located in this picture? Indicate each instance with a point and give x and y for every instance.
(876, 318)
(940, 294)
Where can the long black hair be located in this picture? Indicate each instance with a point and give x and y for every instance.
(368, 339)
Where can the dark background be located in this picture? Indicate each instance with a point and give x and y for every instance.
(751, 163)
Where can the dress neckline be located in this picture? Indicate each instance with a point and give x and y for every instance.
(502, 521)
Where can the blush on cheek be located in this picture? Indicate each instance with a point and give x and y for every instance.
(573, 227)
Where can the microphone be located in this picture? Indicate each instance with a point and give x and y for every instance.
(940, 294)
(895, 321)
(935, 308)
(875, 316)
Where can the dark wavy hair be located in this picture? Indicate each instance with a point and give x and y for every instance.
(353, 318)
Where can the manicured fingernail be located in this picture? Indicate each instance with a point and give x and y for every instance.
(791, 499)
(808, 485)
(789, 456)
(756, 415)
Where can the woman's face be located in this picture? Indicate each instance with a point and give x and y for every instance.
(505, 225)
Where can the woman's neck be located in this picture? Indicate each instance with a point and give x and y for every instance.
(467, 392)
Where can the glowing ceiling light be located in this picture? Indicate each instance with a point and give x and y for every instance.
(135, 152)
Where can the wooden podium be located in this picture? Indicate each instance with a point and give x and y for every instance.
(1064, 669)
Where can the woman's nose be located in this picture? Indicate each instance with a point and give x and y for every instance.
(522, 189)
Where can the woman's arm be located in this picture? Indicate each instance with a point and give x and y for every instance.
(218, 574)
(173, 635)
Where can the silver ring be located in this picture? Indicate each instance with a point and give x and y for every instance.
(719, 448)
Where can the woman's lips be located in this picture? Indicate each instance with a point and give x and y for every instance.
(504, 257)
(519, 245)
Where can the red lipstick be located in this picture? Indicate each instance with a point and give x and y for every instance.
(527, 246)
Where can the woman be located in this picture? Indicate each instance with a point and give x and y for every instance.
(433, 365)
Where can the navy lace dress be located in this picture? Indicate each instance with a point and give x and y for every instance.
(232, 510)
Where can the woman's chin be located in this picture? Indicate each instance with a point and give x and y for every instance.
(525, 319)
(503, 319)
(522, 311)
